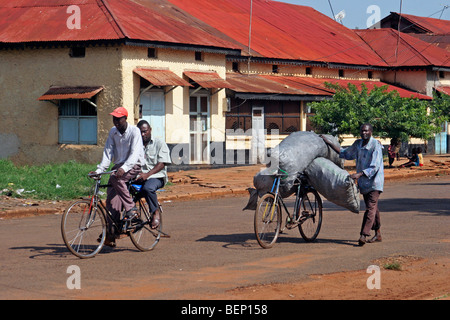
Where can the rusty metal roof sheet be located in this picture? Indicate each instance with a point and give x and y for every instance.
(35, 21)
(207, 79)
(25, 21)
(63, 93)
(411, 51)
(255, 83)
(428, 25)
(303, 86)
(370, 84)
(283, 31)
(444, 89)
(161, 77)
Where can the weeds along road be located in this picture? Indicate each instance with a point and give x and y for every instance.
(213, 249)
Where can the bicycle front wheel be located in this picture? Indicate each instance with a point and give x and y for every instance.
(142, 235)
(267, 221)
(310, 211)
(83, 229)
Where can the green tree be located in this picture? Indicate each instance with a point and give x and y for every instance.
(390, 115)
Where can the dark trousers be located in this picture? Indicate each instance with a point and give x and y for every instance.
(371, 220)
(149, 192)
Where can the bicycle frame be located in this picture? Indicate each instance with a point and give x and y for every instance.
(302, 189)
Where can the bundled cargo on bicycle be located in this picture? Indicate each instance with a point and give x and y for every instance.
(306, 152)
(304, 165)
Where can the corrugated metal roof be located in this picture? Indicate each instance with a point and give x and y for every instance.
(370, 84)
(284, 31)
(24, 21)
(255, 83)
(35, 21)
(161, 77)
(429, 25)
(444, 89)
(63, 93)
(411, 51)
(303, 86)
(207, 79)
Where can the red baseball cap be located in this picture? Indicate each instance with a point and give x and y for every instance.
(120, 112)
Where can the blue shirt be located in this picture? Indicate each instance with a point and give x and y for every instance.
(369, 160)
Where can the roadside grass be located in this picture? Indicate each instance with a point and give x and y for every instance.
(47, 182)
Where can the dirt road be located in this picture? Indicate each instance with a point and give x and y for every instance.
(213, 254)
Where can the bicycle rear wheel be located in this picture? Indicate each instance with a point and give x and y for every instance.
(142, 235)
(267, 221)
(81, 227)
(310, 211)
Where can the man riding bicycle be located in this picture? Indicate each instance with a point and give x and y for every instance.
(123, 147)
(154, 174)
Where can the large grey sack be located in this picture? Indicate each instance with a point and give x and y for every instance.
(334, 183)
(293, 155)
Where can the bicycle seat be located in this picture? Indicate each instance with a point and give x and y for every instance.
(138, 187)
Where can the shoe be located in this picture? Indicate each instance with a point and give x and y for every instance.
(155, 222)
(376, 238)
(362, 241)
(109, 243)
(130, 214)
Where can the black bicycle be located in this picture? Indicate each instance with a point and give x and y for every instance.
(307, 214)
(84, 223)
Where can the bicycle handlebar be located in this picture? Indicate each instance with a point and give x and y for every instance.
(94, 174)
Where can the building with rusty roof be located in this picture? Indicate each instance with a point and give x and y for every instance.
(197, 70)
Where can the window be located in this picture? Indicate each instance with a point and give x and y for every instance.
(77, 122)
(77, 52)
(235, 66)
(308, 70)
(275, 68)
(151, 53)
(283, 116)
(341, 73)
(441, 74)
(198, 56)
(370, 74)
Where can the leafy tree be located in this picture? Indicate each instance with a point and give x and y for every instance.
(390, 115)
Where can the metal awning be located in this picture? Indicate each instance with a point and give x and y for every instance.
(161, 77)
(444, 89)
(279, 87)
(207, 79)
(64, 93)
(271, 87)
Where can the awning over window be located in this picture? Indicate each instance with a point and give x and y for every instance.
(161, 77)
(444, 89)
(207, 79)
(63, 93)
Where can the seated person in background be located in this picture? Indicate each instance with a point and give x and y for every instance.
(154, 174)
(413, 160)
(420, 155)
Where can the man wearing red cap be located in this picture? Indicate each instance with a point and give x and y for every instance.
(123, 147)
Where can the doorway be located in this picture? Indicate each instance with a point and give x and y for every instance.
(258, 146)
(199, 124)
(154, 112)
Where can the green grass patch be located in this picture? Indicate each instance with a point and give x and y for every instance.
(393, 266)
(47, 182)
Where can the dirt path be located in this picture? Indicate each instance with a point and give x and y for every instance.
(417, 279)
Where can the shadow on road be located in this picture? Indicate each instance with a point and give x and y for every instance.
(248, 240)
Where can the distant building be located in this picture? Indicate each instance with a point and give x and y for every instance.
(195, 69)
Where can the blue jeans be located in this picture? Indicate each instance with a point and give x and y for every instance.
(148, 191)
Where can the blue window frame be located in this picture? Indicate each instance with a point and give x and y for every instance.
(77, 122)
